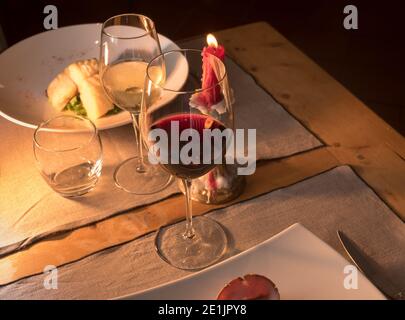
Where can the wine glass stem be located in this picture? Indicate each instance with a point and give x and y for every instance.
(190, 232)
(135, 122)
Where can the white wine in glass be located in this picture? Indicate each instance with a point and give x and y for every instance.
(125, 80)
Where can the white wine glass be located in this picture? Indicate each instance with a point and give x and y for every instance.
(128, 43)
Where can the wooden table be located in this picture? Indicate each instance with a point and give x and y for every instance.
(352, 135)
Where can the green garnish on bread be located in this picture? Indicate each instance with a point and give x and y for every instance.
(75, 105)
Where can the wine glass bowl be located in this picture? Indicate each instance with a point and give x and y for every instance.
(191, 113)
(128, 43)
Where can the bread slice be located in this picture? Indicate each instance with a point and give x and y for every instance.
(93, 98)
(61, 90)
(81, 70)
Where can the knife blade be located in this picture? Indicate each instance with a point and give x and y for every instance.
(369, 268)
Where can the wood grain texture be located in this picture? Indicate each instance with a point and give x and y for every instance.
(353, 135)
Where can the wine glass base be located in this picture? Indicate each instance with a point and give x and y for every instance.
(150, 180)
(207, 246)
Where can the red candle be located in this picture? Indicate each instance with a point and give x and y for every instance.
(209, 78)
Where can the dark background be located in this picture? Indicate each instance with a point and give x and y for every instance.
(368, 61)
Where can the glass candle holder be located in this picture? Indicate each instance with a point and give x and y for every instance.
(220, 185)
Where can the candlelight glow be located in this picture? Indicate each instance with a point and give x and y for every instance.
(156, 74)
(106, 57)
(149, 87)
(212, 41)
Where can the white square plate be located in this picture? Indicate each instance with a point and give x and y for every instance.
(300, 264)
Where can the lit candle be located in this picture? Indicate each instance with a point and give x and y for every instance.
(209, 78)
(212, 96)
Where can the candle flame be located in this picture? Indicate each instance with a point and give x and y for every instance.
(212, 41)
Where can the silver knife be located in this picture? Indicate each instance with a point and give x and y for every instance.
(369, 269)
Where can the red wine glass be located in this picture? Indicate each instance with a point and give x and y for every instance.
(178, 136)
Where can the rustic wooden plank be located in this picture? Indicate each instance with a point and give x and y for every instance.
(355, 134)
(71, 246)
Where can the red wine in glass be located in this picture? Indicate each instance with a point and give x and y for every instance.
(185, 121)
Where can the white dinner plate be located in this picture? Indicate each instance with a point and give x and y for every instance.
(29, 66)
(300, 264)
